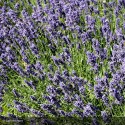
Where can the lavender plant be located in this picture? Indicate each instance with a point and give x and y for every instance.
(62, 59)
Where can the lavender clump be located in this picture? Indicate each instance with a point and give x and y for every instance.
(21, 107)
(72, 52)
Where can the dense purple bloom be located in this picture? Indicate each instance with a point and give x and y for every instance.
(105, 100)
(50, 77)
(67, 41)
(36, 112)
(82, 90)
(77, 97)
(49, 108)
(88, 111)
(7, 48)
(64, 27)
(50, 89)
(98, 91)
(34, 49)
(45, 106)
(22, 109)
(38, 66)
(92, 59)
(62, 85)
(79, 104)
(104, 115)
(25, 59)
(118, 96)
(65, 73)
(77, 112)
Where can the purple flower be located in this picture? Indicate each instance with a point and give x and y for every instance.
(16, 93)
(66, 39)
(25, 59)
(96, 45)
(30, 84)
(65, 73)
(50, 67)
(88, 110)
(42, 76)
(46, 106)
(17, 5)
(77, 97)
(124, 26)
(104, 115)
(63, 87)
(95, 121)
(91, 58)
(61, 113)
(8, 49)
(105, 100)
(98, 91)
(118, 96)
(38, 66)
(82, 90)
(22, 109)
(67, 98)
(74, 73)
(17, 102)
(56, 61)
(36, 112)
(77, 112)
(79, 104)
(1, 109)
(12, 115)
(51, 89)
(78, 46)
(34, 49)
(33, 98)
(50, 77)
